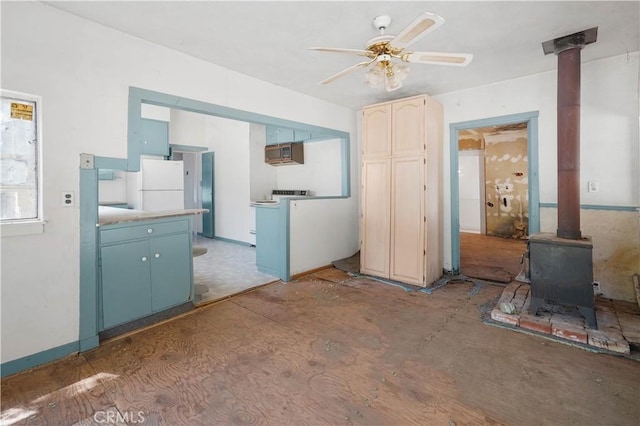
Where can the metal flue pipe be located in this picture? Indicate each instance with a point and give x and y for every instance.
(569, 144)
(568, 50)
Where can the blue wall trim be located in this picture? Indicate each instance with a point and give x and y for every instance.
(110, 163)
(346, 167)
(30, 361)
(187, 148)
(596, 207)
(534, 191)
(138, 96)
(229, 240)
(88, 331)
(186, 104)
(285, 240)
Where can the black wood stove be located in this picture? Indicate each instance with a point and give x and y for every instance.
(561, 271)
(561, 265)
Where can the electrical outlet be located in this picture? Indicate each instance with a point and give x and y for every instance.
(596, 288)
(594, 186)
(68, 199)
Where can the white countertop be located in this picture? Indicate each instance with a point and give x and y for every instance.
(110, 215)
(265, 203)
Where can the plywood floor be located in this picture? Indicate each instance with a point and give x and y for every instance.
(491, 258)
(338, 352)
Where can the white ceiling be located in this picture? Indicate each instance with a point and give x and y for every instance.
(269, 40)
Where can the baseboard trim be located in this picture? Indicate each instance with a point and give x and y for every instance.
(595, 207)
(89, 343)
(310, 271)
(229, 240)
(34, 360)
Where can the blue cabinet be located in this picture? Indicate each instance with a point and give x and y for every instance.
(145, 267)
(272, 236)
(126, 282)
(277, 135)
(154, 137)
(171, 258)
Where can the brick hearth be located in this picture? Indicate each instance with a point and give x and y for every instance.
(618, 321)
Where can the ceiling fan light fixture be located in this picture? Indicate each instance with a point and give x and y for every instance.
(375, 77)
(387, 75)
(388, 56)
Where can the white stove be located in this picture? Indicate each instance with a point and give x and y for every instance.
(277, 194)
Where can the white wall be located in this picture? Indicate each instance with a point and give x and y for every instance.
(322, 231)
(83, 72)
(155, 112)
(229, 139)
(609, 129)
(264, 177)
(113, 190)
(321, 172)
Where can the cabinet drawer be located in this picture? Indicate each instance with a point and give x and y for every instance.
(142, 231)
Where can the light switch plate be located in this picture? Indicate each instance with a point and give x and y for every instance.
(594, 186)
(86, 161)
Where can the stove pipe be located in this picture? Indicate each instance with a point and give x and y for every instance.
(569, 144)
(568, 50)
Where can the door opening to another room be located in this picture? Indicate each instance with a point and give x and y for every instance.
(493, 200)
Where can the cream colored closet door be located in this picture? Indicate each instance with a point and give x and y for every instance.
(407, 220)
(374, 254)
(408, 127)
(376, 124)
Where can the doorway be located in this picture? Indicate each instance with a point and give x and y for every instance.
(215, 168)
(192, 197)
(493, 189)
(494, 193)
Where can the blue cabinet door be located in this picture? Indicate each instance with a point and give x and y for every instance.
(268, 241)
(208, 194)
(171, 270)
(154, 137)
(275, 135)
(126, 282)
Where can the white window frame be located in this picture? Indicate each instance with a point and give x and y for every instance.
(15, 227)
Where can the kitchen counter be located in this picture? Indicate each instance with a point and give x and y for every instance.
(110, 215)
(112, 203)
(265, 203)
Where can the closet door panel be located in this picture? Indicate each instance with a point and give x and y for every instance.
(407, 220)
(408, 132)
(374, 254)
(376, 122)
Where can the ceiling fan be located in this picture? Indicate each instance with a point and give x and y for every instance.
(388, 54)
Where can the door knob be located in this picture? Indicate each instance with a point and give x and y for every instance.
(144, 258)
(489, 203)
(157, 255)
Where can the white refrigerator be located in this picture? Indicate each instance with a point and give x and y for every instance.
(158, 186)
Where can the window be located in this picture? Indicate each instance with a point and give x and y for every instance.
(20, 147)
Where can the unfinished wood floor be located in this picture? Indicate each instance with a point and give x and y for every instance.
(343, 351)
(491, 258)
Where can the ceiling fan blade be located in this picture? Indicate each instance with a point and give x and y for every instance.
(340, 50)
(438, 58)
(416, 30)
(347, 71)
